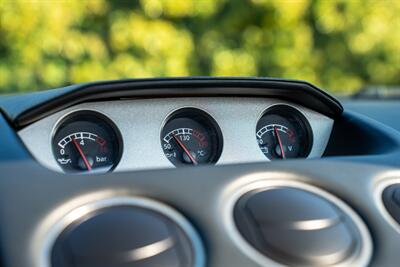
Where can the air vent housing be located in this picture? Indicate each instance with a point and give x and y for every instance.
(296, 227)
(122, 232)
(391, 200)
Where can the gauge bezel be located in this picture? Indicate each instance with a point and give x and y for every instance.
(286, 111)
(77, 114)
(205, 119)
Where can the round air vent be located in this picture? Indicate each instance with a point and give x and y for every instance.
(127, 232)
(295, 226)
(391, 200)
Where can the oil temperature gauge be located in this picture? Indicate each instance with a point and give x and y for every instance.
(283, 133)
(191, 137)
(87, 141)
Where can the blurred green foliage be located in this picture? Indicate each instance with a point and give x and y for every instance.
(338, 45)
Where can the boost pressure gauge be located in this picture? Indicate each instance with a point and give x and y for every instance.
(283, 133)
(87, 141)
(191, 137)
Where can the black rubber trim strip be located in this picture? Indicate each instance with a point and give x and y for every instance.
(25, 109)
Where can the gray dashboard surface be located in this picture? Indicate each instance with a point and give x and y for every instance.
(384, 111)
(202, 194)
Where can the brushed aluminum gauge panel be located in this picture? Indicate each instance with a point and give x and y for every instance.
(140, 122)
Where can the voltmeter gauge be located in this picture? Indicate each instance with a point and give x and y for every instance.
(87, 141)
(283, 132)
(191, 137)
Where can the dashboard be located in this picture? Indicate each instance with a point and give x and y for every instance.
(277, 173)
(163, 133)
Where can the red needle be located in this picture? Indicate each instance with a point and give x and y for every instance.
(82, 155)
(185, 149)
(280, 142)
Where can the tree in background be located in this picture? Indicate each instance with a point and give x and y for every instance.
(338, 45)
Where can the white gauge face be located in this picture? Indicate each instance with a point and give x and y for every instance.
(86, 142)
(191, 137)
(283, 133)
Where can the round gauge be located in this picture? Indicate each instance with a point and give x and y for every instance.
(87, 141)
(191, 137)
(283, 133)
